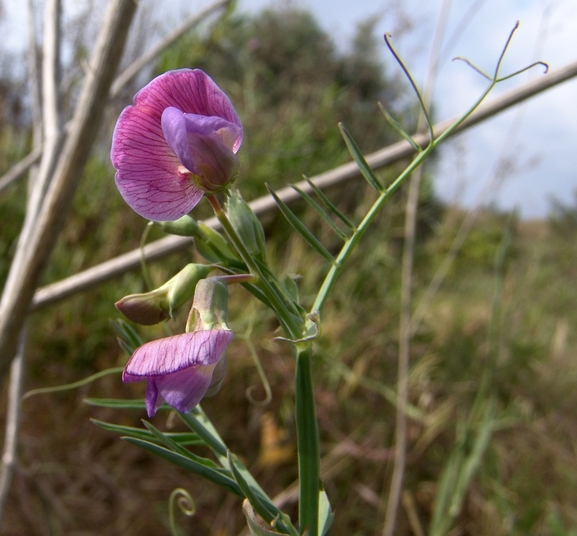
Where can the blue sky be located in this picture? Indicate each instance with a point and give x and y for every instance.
(535, 143)
(519, 159)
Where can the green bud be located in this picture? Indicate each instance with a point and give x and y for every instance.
(185, 226)
(209, 306)
(246, 224)
(212, 245)
(152, 307)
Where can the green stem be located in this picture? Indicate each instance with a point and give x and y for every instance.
(307, 444)
(292, 328)
(351, 243)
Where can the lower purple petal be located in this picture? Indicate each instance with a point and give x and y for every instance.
(185, 389)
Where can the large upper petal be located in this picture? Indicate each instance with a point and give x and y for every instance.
(171, 354)
(147, 169)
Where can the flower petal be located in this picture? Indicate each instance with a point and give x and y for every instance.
(171, 354)
(185, 389)
(148, 175)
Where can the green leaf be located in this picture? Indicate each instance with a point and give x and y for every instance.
(301, 228)
(400, 129)
(255, 528)
(320, 212)
(215, 476)
(128, 338)
(260, 502)
(119, 403)
(199, 423)
(358, 157)
(176, 447)
(308, 445)
(182, 438)
(330, 205)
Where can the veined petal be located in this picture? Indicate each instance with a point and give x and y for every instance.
(185, 389)
(172, 354)
(204, 145)
(149, 174)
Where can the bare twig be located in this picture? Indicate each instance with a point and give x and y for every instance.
(21, 168)
(35, 247)
(133, 69)
(12, 422)
(389, 155)
(51, 120)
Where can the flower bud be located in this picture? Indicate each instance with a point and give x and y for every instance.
(246, 224)
(185, 226)
(157, 305)
(209, 306)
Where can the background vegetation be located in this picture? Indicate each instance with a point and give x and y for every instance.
(492, 358)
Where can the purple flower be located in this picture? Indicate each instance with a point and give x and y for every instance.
(180, 369)
(177, 142)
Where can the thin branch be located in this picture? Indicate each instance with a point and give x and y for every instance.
(21, 168)
(33, 79)
(12, 422)
(132, 70)
(35, 247)
(389, 155)
(51, 117)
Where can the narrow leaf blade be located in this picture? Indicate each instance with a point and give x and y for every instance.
(182, 438)
(301, 228)
(320, 212)
(358, 157)
(330, 205)
(188, 464)
(117, 403)
(400, 129)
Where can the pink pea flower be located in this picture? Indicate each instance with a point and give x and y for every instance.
(183, 369)
(180, 370)
(176, 143)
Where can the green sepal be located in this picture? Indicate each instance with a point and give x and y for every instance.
(185, 226)
(194, 466)
(358, 157)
